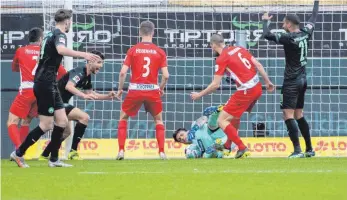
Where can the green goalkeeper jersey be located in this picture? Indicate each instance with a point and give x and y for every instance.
(209, 141)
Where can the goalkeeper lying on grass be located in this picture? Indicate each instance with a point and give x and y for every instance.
(206, 139)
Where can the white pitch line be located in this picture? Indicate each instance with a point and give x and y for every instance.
(262, 171)
(197, 171)
(134, 172)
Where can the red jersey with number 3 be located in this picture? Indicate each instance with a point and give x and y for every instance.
(237, 63)
(25, 61)
(145, 59)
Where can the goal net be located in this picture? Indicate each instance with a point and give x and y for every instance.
(183, 30)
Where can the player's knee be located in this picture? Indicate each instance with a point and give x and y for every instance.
(12, 120)
(63, 122)
(298, 115)
(84, 119)
(46, 125)
(26, 122)
(158, 121)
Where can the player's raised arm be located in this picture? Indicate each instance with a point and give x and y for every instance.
(269, 86)
(63, 22)
(310, 24)
(279, 38)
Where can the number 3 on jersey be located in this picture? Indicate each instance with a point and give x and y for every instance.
(146, 66)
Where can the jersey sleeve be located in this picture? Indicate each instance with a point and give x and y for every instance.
(128, 58)
(282, 38)
(15, 62)
(220, 66)
(61, 72)
(60, 39)
(163, 62)
(76, 76)
(309, 28)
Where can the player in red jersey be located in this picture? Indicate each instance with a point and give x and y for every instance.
(24, 105)
(238, 63)
(145, 59)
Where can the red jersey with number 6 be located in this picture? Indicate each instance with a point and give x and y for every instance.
(145, 59)
(237, 63)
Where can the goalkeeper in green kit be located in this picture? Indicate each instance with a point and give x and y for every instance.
(206, 139)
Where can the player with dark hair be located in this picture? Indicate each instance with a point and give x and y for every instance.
(242, 67)
(49, 102)
(71, 84)
(24, 107)
(295, 43)
(145, 59)
(206, 139)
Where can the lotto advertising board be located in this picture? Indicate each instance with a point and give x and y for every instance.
(147, 148)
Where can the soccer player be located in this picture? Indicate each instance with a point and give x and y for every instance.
(242, 67)
(23, 108)
(71, 84)
(295, 43)
(206, 138)
(145, 59)
(49, 102)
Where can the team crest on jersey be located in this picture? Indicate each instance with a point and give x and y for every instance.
(76, 78)
(62, 40)
(51, 110)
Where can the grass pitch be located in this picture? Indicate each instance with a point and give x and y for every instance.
(204, 179)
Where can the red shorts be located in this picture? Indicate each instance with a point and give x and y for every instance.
(135, 98)
(24, 104)
(242, 101)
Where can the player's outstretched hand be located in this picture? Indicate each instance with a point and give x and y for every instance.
(92, 57)
(266, 16)
(112, 94)
(195, 96)
(90, 96)
(269, 87)
(119, 95)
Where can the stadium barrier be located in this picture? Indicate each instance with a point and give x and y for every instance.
(147, 148)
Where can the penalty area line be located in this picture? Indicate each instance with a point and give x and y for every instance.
(134, 172)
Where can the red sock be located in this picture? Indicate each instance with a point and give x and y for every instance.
(236, 123)
(23, 132)
(122, 133)
(231, 132)
(13, 132)
(227, 144)
(160, 135)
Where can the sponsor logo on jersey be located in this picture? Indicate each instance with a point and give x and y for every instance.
(62, 40)
(76, 79)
